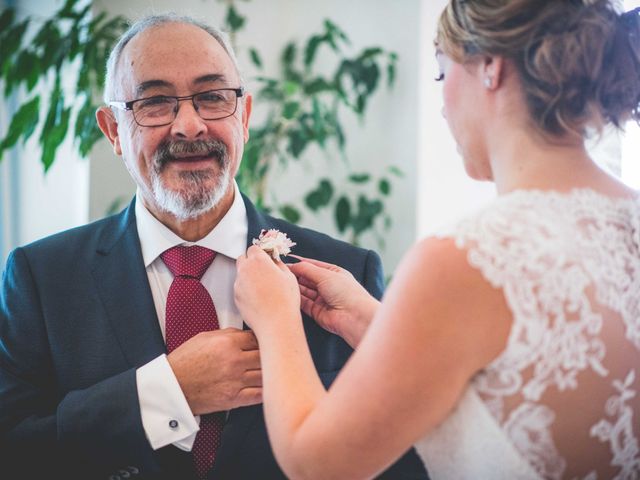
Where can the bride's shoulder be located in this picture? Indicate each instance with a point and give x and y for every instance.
(436, 292)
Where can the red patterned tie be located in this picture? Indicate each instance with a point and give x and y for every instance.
(190, 311)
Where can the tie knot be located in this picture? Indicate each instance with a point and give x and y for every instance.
(188, 261)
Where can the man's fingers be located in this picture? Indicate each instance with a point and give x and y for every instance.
(249, 396)
(251, 359)
(247, 340)
(252, 378)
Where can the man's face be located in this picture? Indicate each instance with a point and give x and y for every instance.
(184, 168)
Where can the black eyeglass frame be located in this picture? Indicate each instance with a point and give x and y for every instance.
(128, 106)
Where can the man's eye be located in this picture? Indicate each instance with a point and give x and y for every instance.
(440, 77)
(211, 97)
(155, 101)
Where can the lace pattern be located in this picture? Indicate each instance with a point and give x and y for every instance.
(569, 268)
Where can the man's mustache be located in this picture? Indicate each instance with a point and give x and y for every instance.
(173, 149)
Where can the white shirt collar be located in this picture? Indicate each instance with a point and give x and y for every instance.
(228, 238)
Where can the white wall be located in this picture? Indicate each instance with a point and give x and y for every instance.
(39, 204)
(445, 193)
(389, 135)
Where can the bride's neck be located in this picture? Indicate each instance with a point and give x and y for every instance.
(521, 159)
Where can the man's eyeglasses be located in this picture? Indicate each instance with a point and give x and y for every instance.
(161, 110)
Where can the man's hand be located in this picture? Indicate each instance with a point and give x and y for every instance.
(218, 370)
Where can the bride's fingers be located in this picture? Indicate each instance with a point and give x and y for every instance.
(317, 263)
(306, 305)
(308, 292)
(312, 273)
(313, 308)
(305, 282)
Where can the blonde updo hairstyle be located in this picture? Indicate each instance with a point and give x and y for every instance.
(578, 60)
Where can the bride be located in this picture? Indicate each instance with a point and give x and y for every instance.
(508, 346)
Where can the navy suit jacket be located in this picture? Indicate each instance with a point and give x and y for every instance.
(77, 319)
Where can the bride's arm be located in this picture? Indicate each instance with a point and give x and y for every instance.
(439, 323)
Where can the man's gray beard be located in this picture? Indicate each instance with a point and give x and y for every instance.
(194, 198)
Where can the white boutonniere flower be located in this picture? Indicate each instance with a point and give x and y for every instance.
(274, 242)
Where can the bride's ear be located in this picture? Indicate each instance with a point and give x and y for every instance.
(492, 71)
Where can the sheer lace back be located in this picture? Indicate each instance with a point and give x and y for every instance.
(566, 389)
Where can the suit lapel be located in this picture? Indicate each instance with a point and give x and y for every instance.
(124, 289)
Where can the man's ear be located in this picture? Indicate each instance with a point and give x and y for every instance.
(493, 72)
(109, 126)
(246, 114)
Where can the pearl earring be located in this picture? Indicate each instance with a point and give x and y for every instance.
(488, 82)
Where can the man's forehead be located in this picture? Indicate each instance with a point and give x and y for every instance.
(175, 53)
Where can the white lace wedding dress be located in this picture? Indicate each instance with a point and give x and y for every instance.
(563, 399)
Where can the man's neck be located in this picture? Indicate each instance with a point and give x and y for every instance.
(193, 229)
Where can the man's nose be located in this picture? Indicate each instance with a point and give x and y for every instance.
(188, 123)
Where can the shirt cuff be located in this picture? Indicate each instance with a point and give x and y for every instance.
(166, 416)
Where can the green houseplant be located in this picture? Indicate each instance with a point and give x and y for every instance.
(304, 106)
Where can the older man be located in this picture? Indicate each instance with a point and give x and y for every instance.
(122, 353)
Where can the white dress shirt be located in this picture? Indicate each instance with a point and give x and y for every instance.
(166, 416)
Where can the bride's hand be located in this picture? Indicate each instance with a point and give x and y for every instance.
(334, 299)
(265, 291)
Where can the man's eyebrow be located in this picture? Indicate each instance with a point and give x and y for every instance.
(144, 86)
(211, 77)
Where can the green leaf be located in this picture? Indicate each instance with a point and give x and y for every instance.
(319, 131)
(391, 69)
(86, 130)
(318, 85)
(291, 88)
(234, 20)
(290, 213)
(311, 49)
(290, 110)
(54, 139)
(321, 196)
(252, 153)
(67, 10)
(289, 55)
(384, 186)
(367, 213)
(255, 57)
(9, 47)
(340, 136)
(298, 141)
(343, 213)
(396, 171)
(359, 177)
(333, 32)
(55, 126)
(6, 18)
(369, 53)
(23, 123)
(53, 48)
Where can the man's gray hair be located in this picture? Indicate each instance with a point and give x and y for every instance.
(154, 21)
